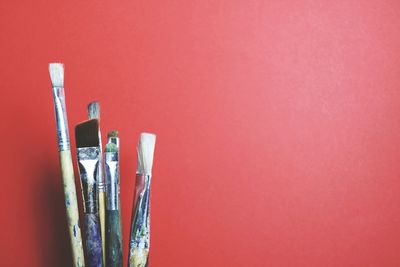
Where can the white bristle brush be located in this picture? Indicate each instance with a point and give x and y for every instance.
(56, 71)
(139, 242)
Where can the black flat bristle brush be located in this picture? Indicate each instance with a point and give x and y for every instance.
(88, 151)
(94, 113)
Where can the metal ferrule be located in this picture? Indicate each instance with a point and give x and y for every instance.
(61, 119)
(111, 163)
(88, 160)
(114, 140)
(101, 179)
(140, 235)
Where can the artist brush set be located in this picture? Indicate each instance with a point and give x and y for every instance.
(99, 176)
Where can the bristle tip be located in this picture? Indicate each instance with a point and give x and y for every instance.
(56, 71)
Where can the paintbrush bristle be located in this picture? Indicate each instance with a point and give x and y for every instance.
(112, 134)
(87, 134)
(94, 110)
(145, 152)
(56, 71)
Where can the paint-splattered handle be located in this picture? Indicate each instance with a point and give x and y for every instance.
(114, 239)
(139, 242)
(93, 250)
(138, 257)
(71, 205)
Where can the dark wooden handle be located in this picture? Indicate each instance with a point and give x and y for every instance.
(93, 250)
(114, 239)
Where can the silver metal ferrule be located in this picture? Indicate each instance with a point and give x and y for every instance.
(140, 235)
(61, 118)
(101, 178)
(112, 177)
(114, 140)
(88, 160)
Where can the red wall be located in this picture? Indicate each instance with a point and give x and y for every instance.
(278, 126)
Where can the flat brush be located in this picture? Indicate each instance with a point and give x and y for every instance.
(94, 113)
(56, 71)
(113, 210)
(139, 242)
(88, 151)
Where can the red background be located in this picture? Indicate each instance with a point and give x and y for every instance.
(278, 126)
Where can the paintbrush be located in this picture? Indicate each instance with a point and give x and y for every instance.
(113, 211)
(139, 242)
(88, 153)
(67, 172)
(94, 113)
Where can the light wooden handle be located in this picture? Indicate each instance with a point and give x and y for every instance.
(71, 204)
(102, 215)
(138, 257)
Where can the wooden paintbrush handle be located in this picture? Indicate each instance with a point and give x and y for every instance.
(102, 214)
(114, 239)
(71, 204)
(93, 250)
(138, 257)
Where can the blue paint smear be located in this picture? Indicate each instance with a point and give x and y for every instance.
(93, 241)
(75, 230)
